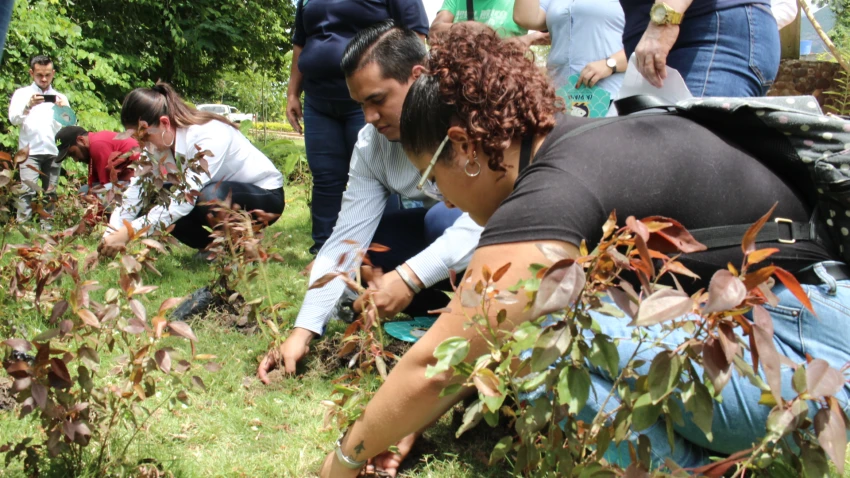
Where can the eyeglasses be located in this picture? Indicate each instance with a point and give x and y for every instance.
(428, 187)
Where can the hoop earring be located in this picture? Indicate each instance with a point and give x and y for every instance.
(477, 171)
(162, 137)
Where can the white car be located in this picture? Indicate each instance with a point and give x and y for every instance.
(228, 112)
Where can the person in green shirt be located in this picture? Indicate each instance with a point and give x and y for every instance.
(497, 14)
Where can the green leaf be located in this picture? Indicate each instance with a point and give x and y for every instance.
(700, 404)
(524, 337)
(604, 354)
(663, 375)
(645, 413)
(551, 345)
(573, 388)
(449, 353)
(799, 380)
(451, 390)
(500, 451)
(534, 418)
(471, 417)
(814, 462)
(675, 412)
(535, 381)
(603, 441)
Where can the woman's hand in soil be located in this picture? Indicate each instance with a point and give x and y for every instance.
(114, 243)
(290, 352)
(388, 462)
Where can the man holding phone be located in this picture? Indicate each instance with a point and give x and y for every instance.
(32, 108)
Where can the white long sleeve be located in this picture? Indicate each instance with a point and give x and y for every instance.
(378, 169)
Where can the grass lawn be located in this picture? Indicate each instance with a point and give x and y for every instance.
(240, 427)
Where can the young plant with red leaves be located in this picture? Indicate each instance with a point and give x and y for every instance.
(559, 347)
(362, 346)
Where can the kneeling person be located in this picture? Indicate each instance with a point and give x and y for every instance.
(236, 169)
(380, 63)
(101, 151)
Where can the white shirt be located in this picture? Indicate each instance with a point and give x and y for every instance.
(233, 158)
(38, 128)
(784, 11)
(379, 168)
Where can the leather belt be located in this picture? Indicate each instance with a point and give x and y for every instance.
(837, 271)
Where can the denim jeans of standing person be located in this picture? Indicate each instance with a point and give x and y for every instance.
(330, 131)
(406, 232)
(6, 7)
(733, 52)
(739, 420)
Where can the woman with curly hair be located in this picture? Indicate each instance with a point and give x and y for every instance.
(485, 127)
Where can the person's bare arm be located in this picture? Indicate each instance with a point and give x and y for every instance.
(442, 21)
(293, 92)
(408, 401)
(529, 15)
(657, 41)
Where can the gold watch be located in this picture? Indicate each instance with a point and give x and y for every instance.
(663, 14)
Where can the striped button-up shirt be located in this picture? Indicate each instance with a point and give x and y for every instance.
(379, 168)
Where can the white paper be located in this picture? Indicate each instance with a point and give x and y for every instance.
(673, 90)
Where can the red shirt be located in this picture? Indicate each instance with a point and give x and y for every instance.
(106, 152)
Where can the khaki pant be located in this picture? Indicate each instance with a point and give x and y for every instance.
(48, 171)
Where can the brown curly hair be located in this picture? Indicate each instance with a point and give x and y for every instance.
(490, 85)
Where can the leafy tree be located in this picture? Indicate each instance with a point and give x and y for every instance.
(104, 48)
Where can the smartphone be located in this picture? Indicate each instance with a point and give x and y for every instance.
(49, 98)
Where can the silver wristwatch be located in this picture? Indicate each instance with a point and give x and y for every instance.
(612, 63)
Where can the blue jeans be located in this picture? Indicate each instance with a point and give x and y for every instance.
(732, 52)
(407, 232)
(739, 420)
(6, 8)
(330, 131)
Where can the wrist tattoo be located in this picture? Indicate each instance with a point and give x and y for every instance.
(359, 448)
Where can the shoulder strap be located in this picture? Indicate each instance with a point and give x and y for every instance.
(470, 11)
(636, 103)
(781, 230)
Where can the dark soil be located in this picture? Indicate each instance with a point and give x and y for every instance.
(326, 358)
(277, 375)
(7, 402)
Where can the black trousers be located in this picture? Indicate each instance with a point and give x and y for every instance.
(190, 229)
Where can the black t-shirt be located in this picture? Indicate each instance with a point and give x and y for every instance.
(647, 165)
(637, 15)
(324, 27)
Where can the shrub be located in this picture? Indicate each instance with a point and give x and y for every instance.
(288, 156)
(76, 398)
(274, 126)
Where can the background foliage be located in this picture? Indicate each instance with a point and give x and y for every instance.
(211, 50)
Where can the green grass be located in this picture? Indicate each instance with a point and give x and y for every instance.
(240, 427)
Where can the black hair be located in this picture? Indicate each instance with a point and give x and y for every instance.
(395, 48)
(149, 104)
(40, 60)
(425, 118)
